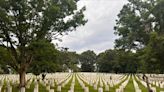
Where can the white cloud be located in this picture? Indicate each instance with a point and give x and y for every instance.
(98, 33)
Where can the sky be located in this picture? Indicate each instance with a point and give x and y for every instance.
(97, 34)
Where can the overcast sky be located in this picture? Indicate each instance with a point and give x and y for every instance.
(98, 33)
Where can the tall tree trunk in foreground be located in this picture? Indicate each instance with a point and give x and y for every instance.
(22, 78)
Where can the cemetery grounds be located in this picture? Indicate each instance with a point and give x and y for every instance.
(83, 82)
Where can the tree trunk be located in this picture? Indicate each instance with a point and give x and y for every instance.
(22, 74)
(148, 86)
(22, 78)
(147, 83)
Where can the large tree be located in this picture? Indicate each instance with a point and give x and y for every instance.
(45, 57)
(118, 61)
(140, 26)
(23, 22)
(137, 20)
(105, 61)
(152, 54)
(67, 60)
(87, 61)
(126, 62)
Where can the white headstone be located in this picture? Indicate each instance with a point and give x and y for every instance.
(48, 87)
(153, 89)
(51, 90)
(22, 89)
(9, 88)
(106, 88)
(86, 89)
(36, 88)
(100, 90)
(95, 86)
(59, 88)
(70, 91)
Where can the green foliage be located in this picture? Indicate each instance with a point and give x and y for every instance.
(45, 57)
(106, 60)
(87, 61)
(67, 60)
(140, 26)
(136, 21)
(128, 62)
(130, 86)
(24, 23)
(4, 58)
(118, 61)
(153, 54)
(27, 27)
(72, 62)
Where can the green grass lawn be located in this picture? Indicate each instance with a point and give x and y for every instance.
(113, 89)
(67, 86)
(77, 87)
(130, 87)
(91, 89)
(142, 87)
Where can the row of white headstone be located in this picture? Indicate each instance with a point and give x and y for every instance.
(81, 80)
(136, 87)
(48, 83)
(153, 81)
(104, 82)
(96, 80)
(123, 85)
(145, 84)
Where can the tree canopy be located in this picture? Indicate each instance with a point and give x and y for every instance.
(23, 22)
(137, 20)
(140, 26)
(87, 61)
